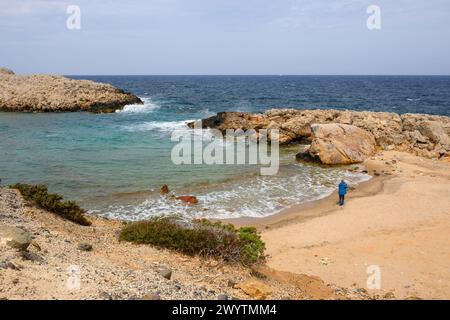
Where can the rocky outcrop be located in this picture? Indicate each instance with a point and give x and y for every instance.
(423, 135)
(341, 144)
(49, 93)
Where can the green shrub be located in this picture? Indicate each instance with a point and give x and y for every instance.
(37, 195)
(201, 237)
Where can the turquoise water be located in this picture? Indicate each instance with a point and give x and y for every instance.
(114, 164)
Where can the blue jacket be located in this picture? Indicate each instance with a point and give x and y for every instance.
(342, 189)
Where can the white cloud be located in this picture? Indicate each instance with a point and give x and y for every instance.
(30, 7)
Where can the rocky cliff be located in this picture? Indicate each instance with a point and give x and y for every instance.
(49, 93)
(423, 135)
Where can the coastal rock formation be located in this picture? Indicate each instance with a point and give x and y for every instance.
(341, 143)
(419, 134)
(50, 93)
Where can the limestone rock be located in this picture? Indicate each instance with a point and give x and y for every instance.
(255, 289)
(341, 144)
(14, 237)
(6, 71)
(50, 93)
(419, 134)
(152, 296)
(85, 247)
(165, 272)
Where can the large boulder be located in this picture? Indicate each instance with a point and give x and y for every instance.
(341, 144)
(14, 237)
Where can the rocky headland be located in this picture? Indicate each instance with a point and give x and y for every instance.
(343, 136)
(52, 93)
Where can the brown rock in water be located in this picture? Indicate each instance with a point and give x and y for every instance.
(188, 199)
(341, 144)
(50, 93)
(164, 189)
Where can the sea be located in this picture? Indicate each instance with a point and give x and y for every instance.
(114, 164)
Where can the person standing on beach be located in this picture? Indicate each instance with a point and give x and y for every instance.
(342, 192)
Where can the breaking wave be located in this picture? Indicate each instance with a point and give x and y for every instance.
(147, 107)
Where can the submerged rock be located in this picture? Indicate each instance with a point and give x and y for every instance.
(341, 144)
(50, 93)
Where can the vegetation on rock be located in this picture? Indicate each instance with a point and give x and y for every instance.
(37, 195)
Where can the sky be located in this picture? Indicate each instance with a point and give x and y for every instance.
(246, 37)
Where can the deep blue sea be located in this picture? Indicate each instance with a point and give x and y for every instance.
(114, 164)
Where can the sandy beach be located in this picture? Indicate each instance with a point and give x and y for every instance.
(398, 221)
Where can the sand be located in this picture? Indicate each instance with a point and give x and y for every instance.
(398, 221)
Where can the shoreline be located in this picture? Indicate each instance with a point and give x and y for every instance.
(398, 221)
(301, 212)
(308, 210)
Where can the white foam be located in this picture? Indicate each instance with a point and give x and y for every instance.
(260, 197)
(162, 126)
(147, 107)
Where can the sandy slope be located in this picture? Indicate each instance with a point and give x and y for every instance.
(399, 221)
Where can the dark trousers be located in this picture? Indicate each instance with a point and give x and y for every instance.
(341, 199)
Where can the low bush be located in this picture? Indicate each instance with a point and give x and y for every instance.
(199, 237)
(37, 195)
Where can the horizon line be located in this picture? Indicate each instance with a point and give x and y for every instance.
(259, 75)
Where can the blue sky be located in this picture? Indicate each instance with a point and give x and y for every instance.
(226, 37)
